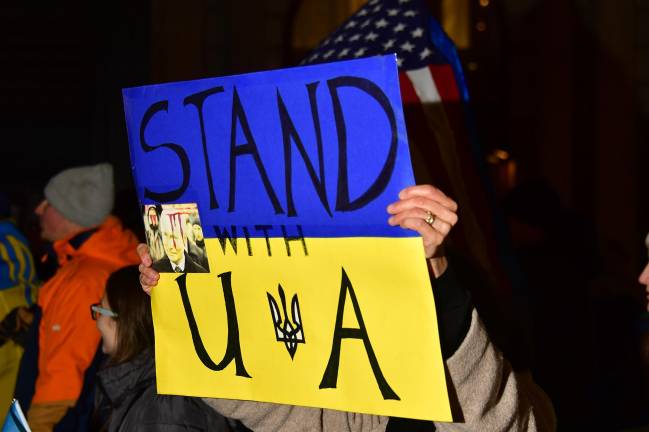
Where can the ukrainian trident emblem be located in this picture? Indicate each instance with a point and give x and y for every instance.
(287, 330)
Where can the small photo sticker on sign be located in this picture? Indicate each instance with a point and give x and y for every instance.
(175, 238)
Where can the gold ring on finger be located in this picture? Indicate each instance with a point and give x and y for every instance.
(430, 218)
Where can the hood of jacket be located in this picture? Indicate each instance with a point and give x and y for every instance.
(109, 242)
(123, 380)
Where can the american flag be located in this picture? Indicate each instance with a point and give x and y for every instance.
(382, 27)
(435, 97)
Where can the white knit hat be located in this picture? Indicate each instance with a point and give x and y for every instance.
(84, 195)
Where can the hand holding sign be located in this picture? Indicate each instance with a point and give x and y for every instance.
(416, 206)
(148, 276)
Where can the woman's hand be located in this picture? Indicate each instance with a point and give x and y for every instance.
(427, 210)
(148, 276)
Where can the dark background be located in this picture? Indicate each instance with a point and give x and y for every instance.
(561, 86)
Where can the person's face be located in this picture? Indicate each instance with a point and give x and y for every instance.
(107, 327)
(54, 226)
(153, 219)
(198, 232)
(189, 232)
(172, 240)
(644, 280)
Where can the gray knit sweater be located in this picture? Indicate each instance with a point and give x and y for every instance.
(485, 393)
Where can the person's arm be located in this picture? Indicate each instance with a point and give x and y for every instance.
(68, 341)
(42, 417)
(453, 305)
(486, 393)
(489, 394)
(270, 417)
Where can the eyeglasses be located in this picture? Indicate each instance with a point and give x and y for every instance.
(97, 309)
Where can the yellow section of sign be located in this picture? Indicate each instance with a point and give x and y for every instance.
(390, 364)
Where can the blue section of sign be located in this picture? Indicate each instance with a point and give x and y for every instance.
(323, 147)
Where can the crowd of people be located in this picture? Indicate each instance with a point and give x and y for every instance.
(88, 329)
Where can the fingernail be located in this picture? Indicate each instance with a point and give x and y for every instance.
(390, 208)
(391, 221)
(402, 194)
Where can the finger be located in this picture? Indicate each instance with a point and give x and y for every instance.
(431, 192)
(146, 288)
(142, 249)
(419, 225)
(149, 275)
(417, 212)
(431, 238)
(146, 283)
(423, 190)
(440, 211)
(146, 270)
(425, 204)
(143, 252)
(439, 225)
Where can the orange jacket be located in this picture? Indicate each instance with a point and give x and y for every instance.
(68, 337)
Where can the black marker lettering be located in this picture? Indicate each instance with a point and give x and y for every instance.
(299, 237)
(171, 195)
(197, 100)
(289, 133)
(330, 376)
(250, 148)
(246, 233)
(225, 236)
(342, 200)
(233, 349)
(265, 229)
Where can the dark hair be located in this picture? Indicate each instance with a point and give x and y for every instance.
(133, 309)
(193, 219)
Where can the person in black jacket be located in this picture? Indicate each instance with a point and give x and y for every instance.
(126, 398)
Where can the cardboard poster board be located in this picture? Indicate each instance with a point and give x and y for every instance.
(264, 200)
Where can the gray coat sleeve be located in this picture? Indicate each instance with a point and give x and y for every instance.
(484, 390)
(488, 395)
(269, 417)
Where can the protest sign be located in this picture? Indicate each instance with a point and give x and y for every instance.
(264, 200)
(15, 420)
